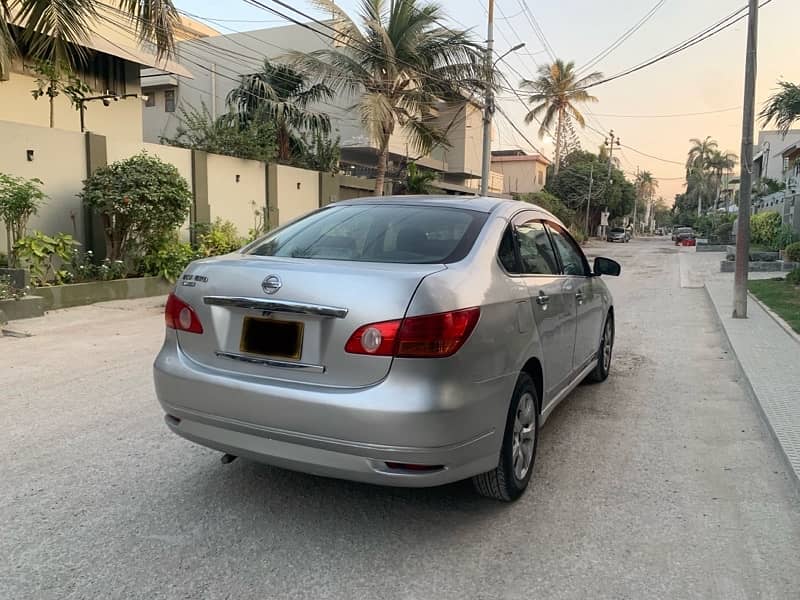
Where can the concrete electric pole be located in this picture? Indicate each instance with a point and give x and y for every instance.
(748, 118)
(589, 200)
(488, 109)
(610, 145)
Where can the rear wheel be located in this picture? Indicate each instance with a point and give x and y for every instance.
(510, 478)
(600, 372)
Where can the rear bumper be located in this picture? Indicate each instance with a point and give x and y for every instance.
(347, 434)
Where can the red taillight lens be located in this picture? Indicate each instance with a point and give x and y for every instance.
(179, 315)
(428, 336)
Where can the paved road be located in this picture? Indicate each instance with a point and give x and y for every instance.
(661, 483)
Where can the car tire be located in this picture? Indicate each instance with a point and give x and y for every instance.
(604, 352)
(509, 479)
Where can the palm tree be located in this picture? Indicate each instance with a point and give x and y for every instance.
(646, 186)
(283, 95)
(53, 31)
(718, 163)
(698, 180)
(398, 64)
(699, 152)
(555, 93)
(783, 107)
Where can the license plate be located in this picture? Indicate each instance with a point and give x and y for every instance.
(269, 337)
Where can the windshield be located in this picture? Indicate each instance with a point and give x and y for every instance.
(617, 230)
(377, 233)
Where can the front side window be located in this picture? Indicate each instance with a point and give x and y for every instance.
(573, 262)
(535, 251)
(377, 233)
(169, 101)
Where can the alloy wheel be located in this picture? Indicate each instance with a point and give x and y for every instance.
(524, 434)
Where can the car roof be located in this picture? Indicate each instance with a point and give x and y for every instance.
(502, 206)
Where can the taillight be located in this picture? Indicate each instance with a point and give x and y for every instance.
(428, 336)
(179, 315)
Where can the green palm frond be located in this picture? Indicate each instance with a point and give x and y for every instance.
(155, 21)
(783, 107)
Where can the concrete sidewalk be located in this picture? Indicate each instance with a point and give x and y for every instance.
(769, 358)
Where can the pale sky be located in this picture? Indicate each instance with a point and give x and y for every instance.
(706, 77)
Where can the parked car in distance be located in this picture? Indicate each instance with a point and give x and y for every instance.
(618, 234)
(408, 341)
(682, 233)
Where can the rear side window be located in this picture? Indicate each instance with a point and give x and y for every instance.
(377, 233)
(535, 251)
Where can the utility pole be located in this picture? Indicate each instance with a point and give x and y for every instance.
(636, 199)
(610, 144)
(748, 116)
(488, 109)
(589, 200)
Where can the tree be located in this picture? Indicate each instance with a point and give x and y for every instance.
(54, 31)
(782, 107)
(20, 199)
(226, 134)
(418, 181)
(281, 94)
(322, 153)
(556, 92)
(571, 186)
(140, 200)
(55, 78)
(719, 163)
(646, 186)
(399, 63)
(698, 180)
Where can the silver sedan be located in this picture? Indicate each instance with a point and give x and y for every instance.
(399, 341)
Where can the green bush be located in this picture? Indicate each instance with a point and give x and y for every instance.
(20, 199)
(578, 234)
(794, 276)
(8, 291)
(792, 252)
(722, 232)
(219, 237)
(139, 199)
(765, 229)
(785, 237)
(84, 268)
(167, 258)
(44, 256)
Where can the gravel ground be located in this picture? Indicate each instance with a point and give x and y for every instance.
(661, 483)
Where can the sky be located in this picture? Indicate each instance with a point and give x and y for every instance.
(707, 77)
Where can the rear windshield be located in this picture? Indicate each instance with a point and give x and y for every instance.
(683, 230)
(617, 230)
(377, 233)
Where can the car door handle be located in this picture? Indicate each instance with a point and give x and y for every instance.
(579, 297)
(542, 299)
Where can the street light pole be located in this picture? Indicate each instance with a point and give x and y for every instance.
(488, 108)
(589, 199)
(748, 117)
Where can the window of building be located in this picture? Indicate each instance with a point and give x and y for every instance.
(169, 100)
(151, 99)
(540, 178)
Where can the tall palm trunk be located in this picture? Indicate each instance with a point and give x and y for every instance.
(557, 163)
(52, 112)
(284, 149)
(383, 159)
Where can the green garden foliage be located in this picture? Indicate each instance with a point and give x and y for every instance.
(219, 237)
(550, 203)
(765, 229)
(20, 199)
(139, 199)
(168, 258)
(794, 276)
(792, 252)
(45, 256)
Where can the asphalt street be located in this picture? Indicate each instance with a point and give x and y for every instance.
(662, 482)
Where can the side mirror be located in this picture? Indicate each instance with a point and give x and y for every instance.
(606, 266)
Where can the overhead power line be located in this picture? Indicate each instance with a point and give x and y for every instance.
(670, 116)
(621, 39)
(710, 31)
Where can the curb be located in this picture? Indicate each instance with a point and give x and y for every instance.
(748, 387)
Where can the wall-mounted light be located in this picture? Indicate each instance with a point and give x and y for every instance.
(29, 155)
(298, 185)
(237, 178)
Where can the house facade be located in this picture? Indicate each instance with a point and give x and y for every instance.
(112, 70)
(218, 62)
(778, 158)
(522, 173)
